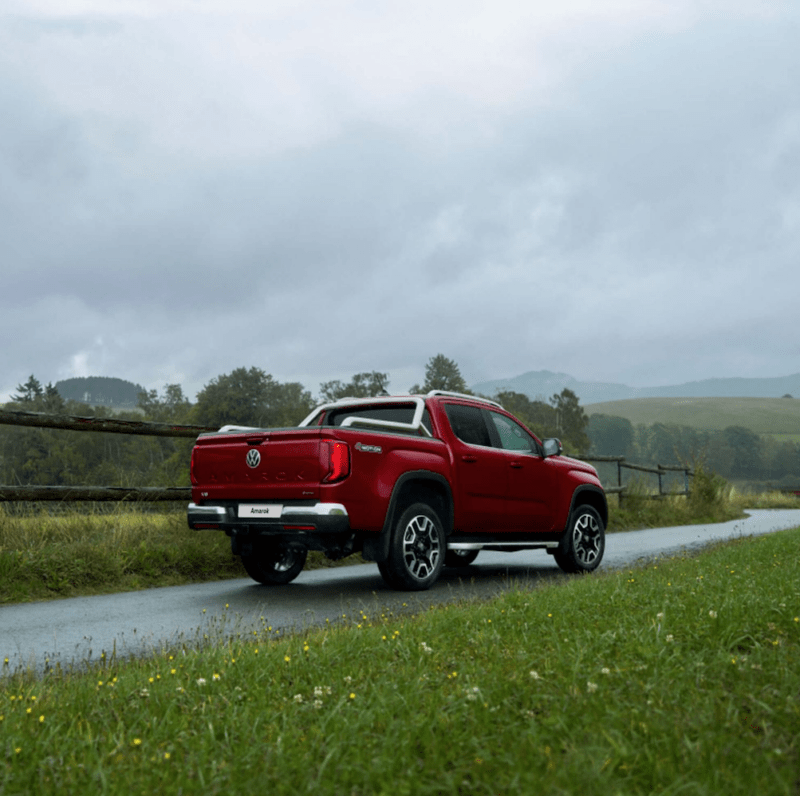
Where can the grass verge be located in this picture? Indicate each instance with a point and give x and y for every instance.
(677, 677)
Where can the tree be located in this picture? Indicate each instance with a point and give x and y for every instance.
(610, 435)
(29, 392)
(251, 398)
(173, 407)
(362, 385)
(571, 420)
(538, 416)
(441, 373)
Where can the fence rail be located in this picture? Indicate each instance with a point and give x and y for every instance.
(159, 494)
(148, 494)
(106, 424)
(96, 493)
(660, 470)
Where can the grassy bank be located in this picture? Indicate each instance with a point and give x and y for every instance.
(678, 677)
(78, 552)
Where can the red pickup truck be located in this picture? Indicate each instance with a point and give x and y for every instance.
(414, 483)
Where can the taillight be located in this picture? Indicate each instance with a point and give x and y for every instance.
(194, 480)
(338, 461)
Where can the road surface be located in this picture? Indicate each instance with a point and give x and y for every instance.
(75, 631)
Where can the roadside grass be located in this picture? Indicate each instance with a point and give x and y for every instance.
(679, 676)
(81, 551)
(711, 499)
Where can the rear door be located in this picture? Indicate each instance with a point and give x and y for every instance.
(481, 471)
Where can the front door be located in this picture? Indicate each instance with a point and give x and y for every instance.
(529, 496)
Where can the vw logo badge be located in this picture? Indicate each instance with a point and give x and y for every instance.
(253, 458)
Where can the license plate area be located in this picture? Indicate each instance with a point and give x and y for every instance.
(263, 511)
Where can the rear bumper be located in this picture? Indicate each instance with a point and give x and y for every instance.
(315, 517)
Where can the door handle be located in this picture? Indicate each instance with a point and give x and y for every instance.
(516, 465)
(469, 458)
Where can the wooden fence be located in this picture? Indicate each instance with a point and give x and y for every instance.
(155, 493)
(660, 470)
(97, 493)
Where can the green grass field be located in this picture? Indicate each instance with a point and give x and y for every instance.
(676, 677)
(773, 416)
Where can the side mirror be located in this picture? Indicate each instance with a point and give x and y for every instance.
(552, 447)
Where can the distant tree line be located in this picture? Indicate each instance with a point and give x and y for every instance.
(252, 397)
(245, 396)
(736, 453)
(100, 391)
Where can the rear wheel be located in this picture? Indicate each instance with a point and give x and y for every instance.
(274, 564)
(460, 558)
(416, 550)
(584, 542)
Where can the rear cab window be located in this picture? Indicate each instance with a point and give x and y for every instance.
(468, 424)
(395, 413)
(475, 425)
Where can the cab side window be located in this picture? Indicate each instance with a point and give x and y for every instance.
(468, 424)
(512, 436)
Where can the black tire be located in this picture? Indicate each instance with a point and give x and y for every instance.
(584, 542)
(460, 558)
(416, 550)
(274, 565)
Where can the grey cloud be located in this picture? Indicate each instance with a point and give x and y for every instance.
(616, 233)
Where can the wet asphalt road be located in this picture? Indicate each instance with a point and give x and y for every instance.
(71, 632)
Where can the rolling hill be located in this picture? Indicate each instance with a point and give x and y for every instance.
(776, 417)
(545, 383)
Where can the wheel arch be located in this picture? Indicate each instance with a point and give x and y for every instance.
(589, 495)
(416, 486)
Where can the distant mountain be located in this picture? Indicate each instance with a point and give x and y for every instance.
(100, 391)
(544, 383)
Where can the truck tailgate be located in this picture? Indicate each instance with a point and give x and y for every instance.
(263, 465)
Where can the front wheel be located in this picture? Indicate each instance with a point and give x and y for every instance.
(416, 550)
(274, 565)
(584, 542)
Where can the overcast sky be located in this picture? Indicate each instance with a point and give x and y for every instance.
(605, 188)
